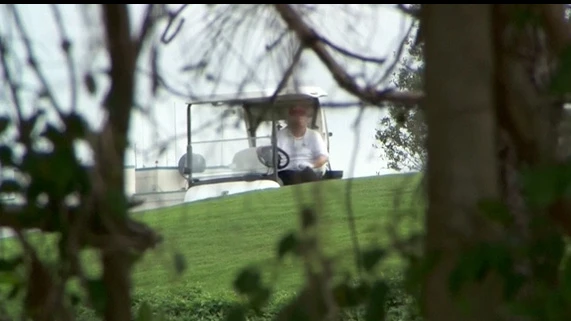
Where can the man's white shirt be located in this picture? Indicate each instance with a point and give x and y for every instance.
(301, 150)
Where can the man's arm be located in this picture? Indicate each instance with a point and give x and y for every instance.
(320, 161)
(320, 154)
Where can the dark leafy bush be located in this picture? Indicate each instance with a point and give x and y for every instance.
(193, 304)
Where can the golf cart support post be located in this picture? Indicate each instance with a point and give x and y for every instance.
(189, 143)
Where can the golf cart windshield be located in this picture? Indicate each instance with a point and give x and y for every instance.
(221, 148)
(232, 157)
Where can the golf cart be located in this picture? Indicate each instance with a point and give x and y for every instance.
(256, 159)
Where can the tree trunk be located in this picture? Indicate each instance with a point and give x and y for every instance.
(111, 157)
(461, 143)
(529, 122)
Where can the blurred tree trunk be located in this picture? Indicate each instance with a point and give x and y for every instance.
(110, 158)
(462, 165)
(529, 121)
(490, 115)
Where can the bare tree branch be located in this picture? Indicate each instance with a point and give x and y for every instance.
(149, 22)
(311, 39)
(168, 87)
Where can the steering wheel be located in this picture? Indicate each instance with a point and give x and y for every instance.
(264, 154)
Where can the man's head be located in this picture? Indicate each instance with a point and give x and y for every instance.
(298, 115)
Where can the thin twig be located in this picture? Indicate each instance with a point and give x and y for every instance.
(283, 83)
(166, 40)
(148, 24)
(351, 54)
(66, 48)
(33, 61)
(279, 39)
(10, 80)
(395, 62)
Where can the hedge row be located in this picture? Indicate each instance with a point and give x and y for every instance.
(195, 304)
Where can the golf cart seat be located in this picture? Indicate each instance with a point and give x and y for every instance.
(198, 164)
(247, 160)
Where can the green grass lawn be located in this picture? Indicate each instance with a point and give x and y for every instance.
(218, 237)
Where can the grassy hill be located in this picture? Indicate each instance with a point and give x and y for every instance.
(218, 237)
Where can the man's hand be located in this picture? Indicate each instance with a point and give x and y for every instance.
(303, 165)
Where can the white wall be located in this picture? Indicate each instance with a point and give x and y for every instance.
(130, 181)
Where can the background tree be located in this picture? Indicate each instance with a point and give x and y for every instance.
(401, 134)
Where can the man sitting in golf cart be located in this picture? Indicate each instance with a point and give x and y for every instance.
(306, 148)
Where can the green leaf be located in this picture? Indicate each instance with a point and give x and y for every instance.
(260, 298)
(97, 295)
(56, 136)
(9, 265)
(375, 310)
(10, 186)
(14, 291)
(9, 278)
(308, 218)
(179, 263)
(145, 313)
(372, 257)
(248, 281)
(543, 185)
(75, 125)
(470, 266)
(4, 123)
(566, 278)
(419, 268)
(561, 80)
(547, 250)
(236, 313)
(116, 198)
(524, 17)
(496, 211)
(288, 244)
(475, 264)
(74, 299)
(350, 296)
(90, 83)
(6, 156)
(160, 316)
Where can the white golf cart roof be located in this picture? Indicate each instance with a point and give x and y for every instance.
(288, 93)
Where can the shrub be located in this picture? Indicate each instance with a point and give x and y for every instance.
(195, 304)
